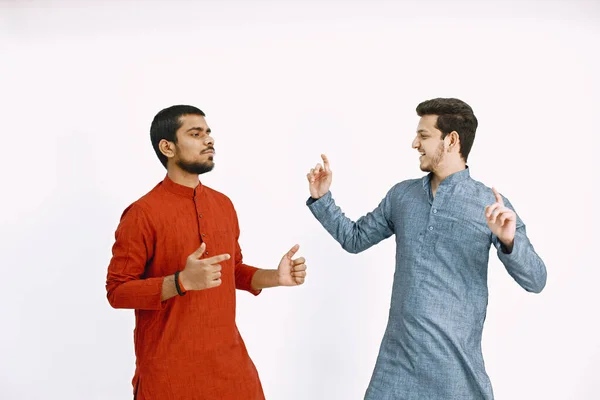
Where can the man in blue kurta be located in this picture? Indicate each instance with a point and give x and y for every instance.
(444, 224)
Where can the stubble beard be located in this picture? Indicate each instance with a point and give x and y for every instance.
(436, 159)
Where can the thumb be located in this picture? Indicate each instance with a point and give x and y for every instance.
(198, 253)
(292, 251)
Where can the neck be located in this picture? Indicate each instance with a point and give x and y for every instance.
(182, 177)
(439, 174)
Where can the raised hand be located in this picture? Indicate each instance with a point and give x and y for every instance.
(501, 220)
(200, 274)
(291, 272)
(319, 179)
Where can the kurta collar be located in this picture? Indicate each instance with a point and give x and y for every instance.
(180, 189)
(450, 180)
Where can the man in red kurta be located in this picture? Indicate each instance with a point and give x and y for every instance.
(177, 262)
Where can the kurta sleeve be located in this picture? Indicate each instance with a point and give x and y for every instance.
(133, 248)
(522, 263)
(243, 272)
(358, 236)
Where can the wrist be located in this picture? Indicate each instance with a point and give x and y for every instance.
(265, 278)
(507, 245)
(178, 285)
(184, 283)
(278, 281)
(318, 195)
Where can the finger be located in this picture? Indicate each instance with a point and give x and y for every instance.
(216, 275)
(496, 213)
(299, 281)
(298, 261)
(216, 267)
(216, 259)
(318, 168)
(214, 283)
(489, 210)
(493, 215)
(506, 215)
(301, 267)
(497, 195)
(292, 251)
(299, 274)
(310, 177)
(326, 163)
(199, 251)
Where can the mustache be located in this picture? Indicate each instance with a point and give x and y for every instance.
(209, 149)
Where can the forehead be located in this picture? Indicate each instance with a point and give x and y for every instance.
(427, 123)
(192, 121)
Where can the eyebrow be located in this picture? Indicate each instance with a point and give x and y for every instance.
(198, 128)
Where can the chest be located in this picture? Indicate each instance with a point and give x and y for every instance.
(182, 226)
(455, 218)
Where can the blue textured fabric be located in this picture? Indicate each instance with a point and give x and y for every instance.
(431, 349)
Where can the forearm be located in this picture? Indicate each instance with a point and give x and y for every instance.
(168, 288)
(353, 236)
(141, 294)
(523, 263)
(265, 278)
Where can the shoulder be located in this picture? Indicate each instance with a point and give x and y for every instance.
(217, 196)
(150, 201)
(144, 207)
(484, 192)
(405, 186)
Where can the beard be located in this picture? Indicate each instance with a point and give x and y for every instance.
(197, 168)
(436, 159)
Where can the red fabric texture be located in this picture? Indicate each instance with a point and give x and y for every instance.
(187, 347)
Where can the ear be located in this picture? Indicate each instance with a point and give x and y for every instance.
(453, 141)
(167, 148)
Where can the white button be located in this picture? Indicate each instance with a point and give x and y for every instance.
(431, 228)
(435, 210)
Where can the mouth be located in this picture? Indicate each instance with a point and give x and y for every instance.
(209, 151)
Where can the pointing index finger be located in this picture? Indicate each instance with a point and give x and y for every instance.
(325, 162)
(497, 195)
(217, 259)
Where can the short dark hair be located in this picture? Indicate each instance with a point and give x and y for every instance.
(453, 115)
(165, 125)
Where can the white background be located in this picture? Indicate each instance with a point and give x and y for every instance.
(282, 82)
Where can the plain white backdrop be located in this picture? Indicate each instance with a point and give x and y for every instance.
(282, 82)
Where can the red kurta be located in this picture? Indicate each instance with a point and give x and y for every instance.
(187, 347)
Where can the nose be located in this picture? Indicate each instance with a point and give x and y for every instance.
(209, 141)
(415, 143)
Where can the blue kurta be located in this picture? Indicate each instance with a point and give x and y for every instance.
(431, 349)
